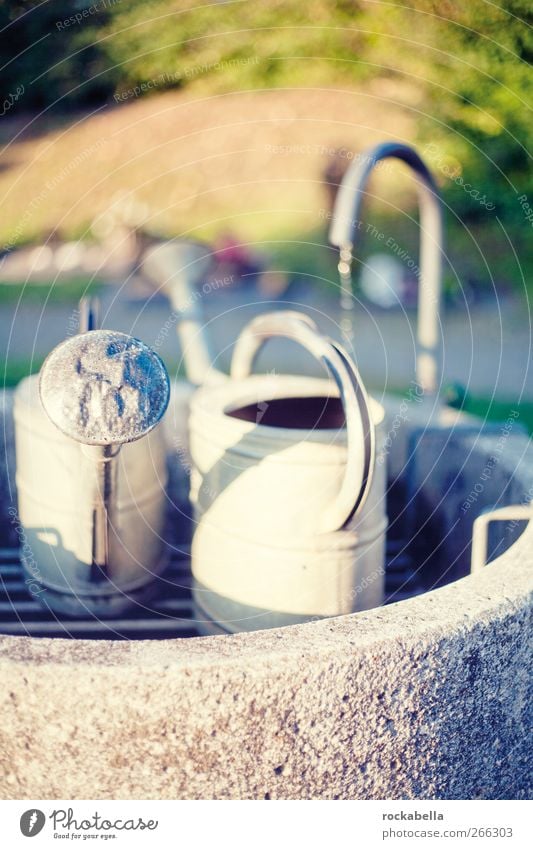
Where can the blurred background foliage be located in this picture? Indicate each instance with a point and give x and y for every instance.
(464, 69)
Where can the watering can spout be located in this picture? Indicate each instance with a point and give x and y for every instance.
(345, 227)
(178, 268)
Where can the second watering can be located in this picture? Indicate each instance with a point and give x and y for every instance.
(91, 474)
(289, 502)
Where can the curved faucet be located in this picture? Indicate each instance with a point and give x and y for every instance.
(343, 234)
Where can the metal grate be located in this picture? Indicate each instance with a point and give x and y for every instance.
(401, 580)
(169, 614)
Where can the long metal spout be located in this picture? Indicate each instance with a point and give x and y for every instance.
(344, 230)
(177, 267)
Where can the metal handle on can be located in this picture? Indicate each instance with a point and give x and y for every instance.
(480, 531)
(359, 425)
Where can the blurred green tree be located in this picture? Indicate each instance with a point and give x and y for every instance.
(464, 67)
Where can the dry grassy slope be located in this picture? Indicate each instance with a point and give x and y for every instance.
(201, 163)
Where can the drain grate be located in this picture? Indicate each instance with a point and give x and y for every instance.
(168, 614)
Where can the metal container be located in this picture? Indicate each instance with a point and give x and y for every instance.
(288, 500)
(56, 479)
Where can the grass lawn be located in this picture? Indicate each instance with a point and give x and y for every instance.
(491, 410)
(12, 371)
(499, 411)
(51, 292)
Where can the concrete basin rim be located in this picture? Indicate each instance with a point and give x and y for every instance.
(503, 588)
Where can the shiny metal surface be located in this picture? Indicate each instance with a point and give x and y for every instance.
(344, 231)
(104, 388)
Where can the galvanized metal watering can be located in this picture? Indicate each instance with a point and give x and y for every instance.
(288, 500)
(92, 510)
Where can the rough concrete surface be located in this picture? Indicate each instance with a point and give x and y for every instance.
(428, 698)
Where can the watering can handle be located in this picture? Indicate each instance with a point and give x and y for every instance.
(302, 329)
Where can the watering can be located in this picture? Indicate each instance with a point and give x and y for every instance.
(91, 472)
(288, 500)
(220, 588)
(177, 267)
(289, 519)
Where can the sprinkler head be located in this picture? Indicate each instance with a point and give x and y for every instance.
(104, 388)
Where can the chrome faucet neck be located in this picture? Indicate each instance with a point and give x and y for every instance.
(345, 227)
